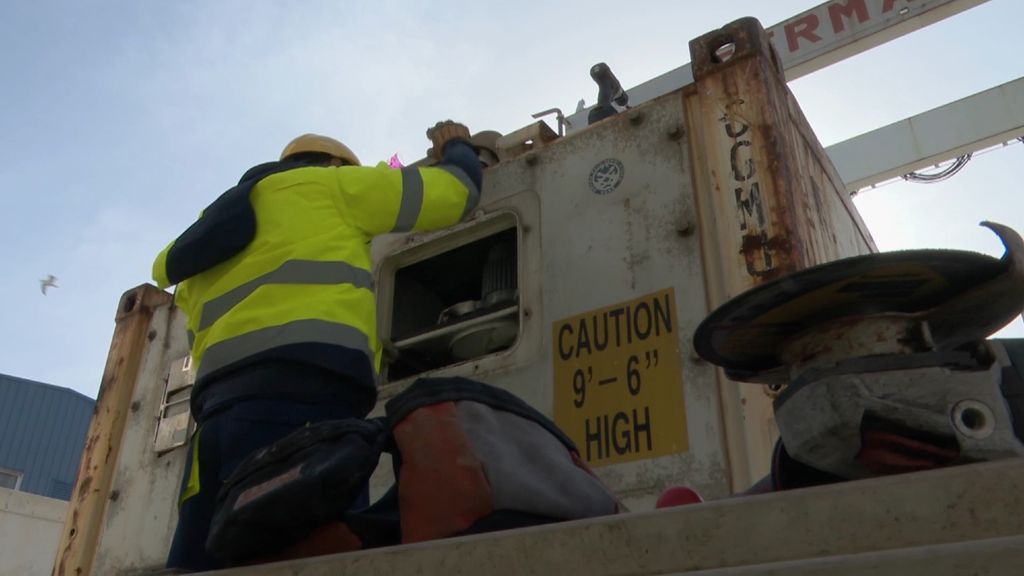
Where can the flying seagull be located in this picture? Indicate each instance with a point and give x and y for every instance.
(49, 282)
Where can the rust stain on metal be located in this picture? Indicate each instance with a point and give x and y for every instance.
(850, 337)
(768, 161)
(767, 184)
(91, 441)
(85, 486)
(764, 254)
(630, 259)
(59, 566)
(524, 140)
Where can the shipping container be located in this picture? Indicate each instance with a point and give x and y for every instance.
(577, 285)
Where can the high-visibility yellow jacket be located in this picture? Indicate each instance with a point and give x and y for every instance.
(301, 288)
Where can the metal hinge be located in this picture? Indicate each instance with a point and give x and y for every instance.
(175, 423)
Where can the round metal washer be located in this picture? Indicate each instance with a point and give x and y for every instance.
(973, 419)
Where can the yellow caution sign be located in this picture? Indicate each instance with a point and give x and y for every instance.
(618, 380)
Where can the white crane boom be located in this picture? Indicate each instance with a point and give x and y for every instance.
(985, 119)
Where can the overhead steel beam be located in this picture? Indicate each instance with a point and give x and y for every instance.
(973, 123)
(817, 38)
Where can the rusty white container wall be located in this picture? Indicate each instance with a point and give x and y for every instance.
(621, 238)
(628, 233)
(612, 248)
(143, 508)
(137, 520)
(605, 223)
(770, 202)
(769, 195)
(129, 370)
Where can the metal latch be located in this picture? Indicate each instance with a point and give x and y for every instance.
(175, 422)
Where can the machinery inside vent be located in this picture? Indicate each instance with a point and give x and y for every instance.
(455, 306)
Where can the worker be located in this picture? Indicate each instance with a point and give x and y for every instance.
(275, 281)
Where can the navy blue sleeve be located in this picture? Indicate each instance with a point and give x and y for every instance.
(462, 155)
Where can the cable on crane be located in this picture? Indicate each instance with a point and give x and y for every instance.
(948, 172)
(944, 174)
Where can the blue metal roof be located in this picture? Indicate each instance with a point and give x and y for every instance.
(42, 432)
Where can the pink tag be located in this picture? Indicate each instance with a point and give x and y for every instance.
(394, 162)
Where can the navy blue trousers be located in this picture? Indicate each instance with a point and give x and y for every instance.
(223, 439)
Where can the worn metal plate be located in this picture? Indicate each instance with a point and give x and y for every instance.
(172, 432)
(174, 416)
(618, 382)
(747, 332)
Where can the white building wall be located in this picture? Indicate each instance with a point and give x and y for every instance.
(30, 529)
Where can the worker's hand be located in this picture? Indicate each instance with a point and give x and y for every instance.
(444, 132)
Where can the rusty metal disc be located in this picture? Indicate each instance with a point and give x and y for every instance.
(745, 334)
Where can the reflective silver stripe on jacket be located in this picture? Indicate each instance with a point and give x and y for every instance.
(412, 200)
(238, 348)
(291, 272)
(474, 194)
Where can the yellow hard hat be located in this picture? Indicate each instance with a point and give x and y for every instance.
(318, 143)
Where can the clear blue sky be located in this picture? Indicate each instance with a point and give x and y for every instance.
(121, 120)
